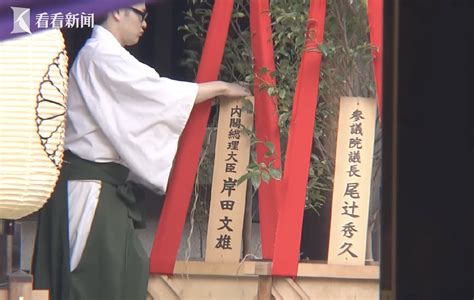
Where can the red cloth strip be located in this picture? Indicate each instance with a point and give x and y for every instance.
(266, 120)
(300, 138)
(172, 219)
(375, 16)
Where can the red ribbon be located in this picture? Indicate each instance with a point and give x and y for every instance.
(300, 138)
(266, 120)
(375, 16)
(172, 219)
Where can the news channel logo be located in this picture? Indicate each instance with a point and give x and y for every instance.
(45, 20)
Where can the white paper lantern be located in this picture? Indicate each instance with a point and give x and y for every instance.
(33, 88)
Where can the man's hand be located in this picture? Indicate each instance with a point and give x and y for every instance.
(236, 90)
(210, 90)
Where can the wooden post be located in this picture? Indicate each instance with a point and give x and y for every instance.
(20, 286)
(264, 287)
(10, 230)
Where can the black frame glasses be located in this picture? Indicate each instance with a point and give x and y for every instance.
(143, 14)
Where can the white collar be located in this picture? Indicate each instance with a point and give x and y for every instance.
(101, 33)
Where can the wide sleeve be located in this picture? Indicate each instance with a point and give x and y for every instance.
(141, 113)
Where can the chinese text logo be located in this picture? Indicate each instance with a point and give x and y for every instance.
(21, 20)
(60, 20)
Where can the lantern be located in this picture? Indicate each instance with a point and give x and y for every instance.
(33, 88)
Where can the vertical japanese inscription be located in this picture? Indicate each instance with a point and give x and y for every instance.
(352, 178)
(224, 235)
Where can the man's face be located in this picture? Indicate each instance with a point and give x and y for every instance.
(133, 25)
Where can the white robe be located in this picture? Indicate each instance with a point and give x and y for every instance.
(120, 110)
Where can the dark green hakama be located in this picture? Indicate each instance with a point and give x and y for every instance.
(114, 264)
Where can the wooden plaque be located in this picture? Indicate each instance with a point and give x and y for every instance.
(226, 215)
(352, 179)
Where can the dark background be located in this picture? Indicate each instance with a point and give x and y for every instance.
(428, 213)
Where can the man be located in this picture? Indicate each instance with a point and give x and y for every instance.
(121, 116)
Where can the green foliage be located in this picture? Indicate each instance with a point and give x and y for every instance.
(346, 71)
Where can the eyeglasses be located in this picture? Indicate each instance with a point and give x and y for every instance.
(143, 14)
